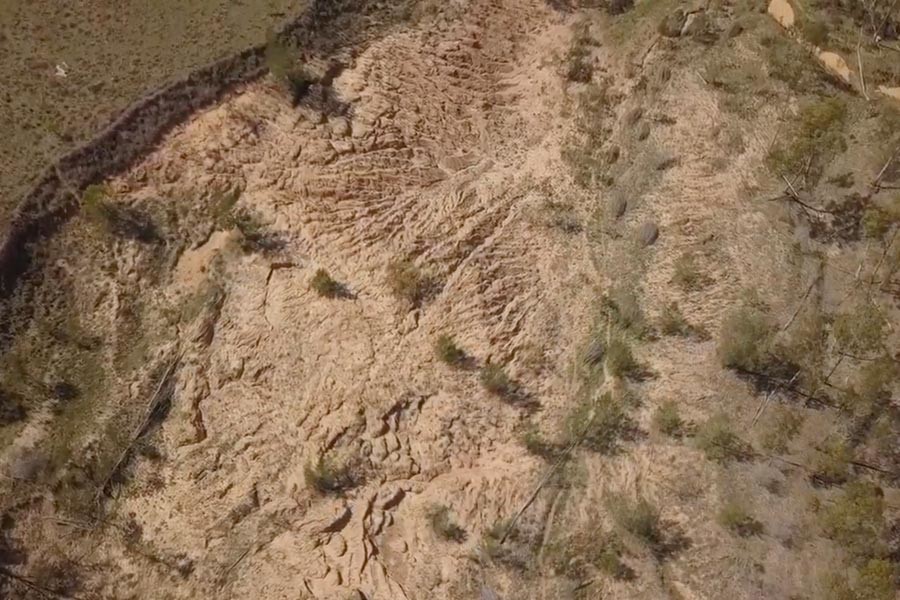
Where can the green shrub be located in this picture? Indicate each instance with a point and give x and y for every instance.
(815, 32)
(782, 425)
(625, 310)
(687, 273)
(577, 554)
(620, 362)
(745, 340)
(325, 285)
(855, 520)
(718, 441)
(832, 464)
(667, 420)
(328, 477)
(448, 352)
(600, 424)
(444, 526)
(816, 137)
(878, 221)
(407, 282)
(495, 380)
(640, 518)
(860, 330)
(733, 515)
(255, 236)
(535, 443)
(281, 60)
(877, 580)
(672, 322)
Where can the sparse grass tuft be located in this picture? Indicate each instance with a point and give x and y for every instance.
(735, 517)
(328, 477)
(672, 322)
(578, 554)
(667, 419)
(624, 309)
(444, 526)
(719, 442)
(408, 282)
(448, 352)
(578, 65)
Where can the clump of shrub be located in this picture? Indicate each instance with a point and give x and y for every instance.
(817, 136)
(860, 330)
(832, 464)
(580, 555)
(855, 520)
(672, 322)
(735, 517)
(599, 424)
(639, 517)
(495, 380)
(281, 60)
(624, 309)
(326, 476)
(783, 424)
(620, 362)
(255, 236)
(745, 339)
(873, 383)
(536, 444)
(815, 32)
(325, 285)
(408, 282)
(444, 526)
(517, 549)
(718, 441)
(448, 352)
(668, 420)
(579, 67)
(877, 221)
(124, 221)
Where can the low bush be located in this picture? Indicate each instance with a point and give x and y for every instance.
(733, 515)
(832, 464)
(855, 520)
(579, 555)
(408, 282)
(495, 380)
(860, 330)
(745, 339)
(448, 352)
(328, 477)
(620, 362)
(639, 517)
(672, 322)
(444, 526)
(782, 425)
(816, 138)
(687, 274)
(719, 443)
(600, 424)
(325, 285)
(667, 419)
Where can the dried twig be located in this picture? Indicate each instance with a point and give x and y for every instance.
(800, 304)
(862, 75)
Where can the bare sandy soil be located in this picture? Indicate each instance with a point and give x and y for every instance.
(444, 150)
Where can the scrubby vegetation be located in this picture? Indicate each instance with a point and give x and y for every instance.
(718, 441)
(668, 420)
(745, 339)
(600, 424)
(495, 380)
(448, 352)
(325, 285)
(735, 517)
(327, 476)
(443, 525)
(639, 517)
(408, 282)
